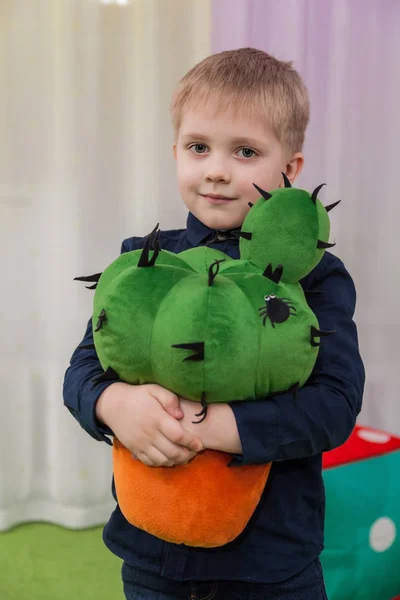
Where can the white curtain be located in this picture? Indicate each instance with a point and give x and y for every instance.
(85, 160)
(348, 53)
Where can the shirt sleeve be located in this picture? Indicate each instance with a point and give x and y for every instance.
(79, 395)
(324, 412)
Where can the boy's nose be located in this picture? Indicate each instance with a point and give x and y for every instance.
(217, 173)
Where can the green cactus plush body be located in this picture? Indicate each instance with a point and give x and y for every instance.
(212, 329)
(195, 330)
(201, 258)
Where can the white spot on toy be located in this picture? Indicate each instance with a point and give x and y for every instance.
(376, 437)
(382, 534)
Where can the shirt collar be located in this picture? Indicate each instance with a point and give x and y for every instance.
(198, 233)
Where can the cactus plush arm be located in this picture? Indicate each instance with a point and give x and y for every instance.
(289, 227)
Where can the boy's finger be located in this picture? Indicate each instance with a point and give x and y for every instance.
(154, 458)
(174, 432)
(177, 454)
(169, 401)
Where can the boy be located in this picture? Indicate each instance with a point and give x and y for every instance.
(240, 117)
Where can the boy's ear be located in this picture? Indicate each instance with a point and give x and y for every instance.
(174, 150)
(294, 167)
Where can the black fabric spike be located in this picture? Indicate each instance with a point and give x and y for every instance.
(242, 234)
(94, 277)
(154, 235)
(156, 244)
(153, 231)
(316, 333)
(286, 180)
(101, 320)
(88, 347)
(144, 257)
(108, 375)
(273, 275)
(332, 206)
(263, 193)
(203, 412)
(214, 270)
(314, 195)
(250, 204)
(144, 260)
(321, 244)
(237, 233)
(196, 347)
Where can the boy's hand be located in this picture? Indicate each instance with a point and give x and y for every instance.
(145, 419)
(190, 409)
(218, 430)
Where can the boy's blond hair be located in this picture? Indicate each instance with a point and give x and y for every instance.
(251, 82)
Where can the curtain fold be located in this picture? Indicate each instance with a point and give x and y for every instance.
(348, 55)
(85, 161)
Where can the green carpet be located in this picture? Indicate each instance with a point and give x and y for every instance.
(45, 562)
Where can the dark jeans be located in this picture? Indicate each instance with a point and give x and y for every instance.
(143, 585)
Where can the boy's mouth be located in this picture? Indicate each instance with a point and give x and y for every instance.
(217, 198)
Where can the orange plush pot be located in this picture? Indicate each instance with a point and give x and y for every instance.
(203, 503)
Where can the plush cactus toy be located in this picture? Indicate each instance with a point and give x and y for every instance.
(211, 329)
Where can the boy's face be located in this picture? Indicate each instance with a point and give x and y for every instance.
(219, 157)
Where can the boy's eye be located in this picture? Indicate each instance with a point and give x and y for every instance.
(247, 152)
(198, 148)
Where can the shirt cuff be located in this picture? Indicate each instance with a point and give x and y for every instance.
(258, 430)
(88, 419)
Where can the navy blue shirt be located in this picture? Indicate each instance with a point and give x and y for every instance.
(287, 529)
